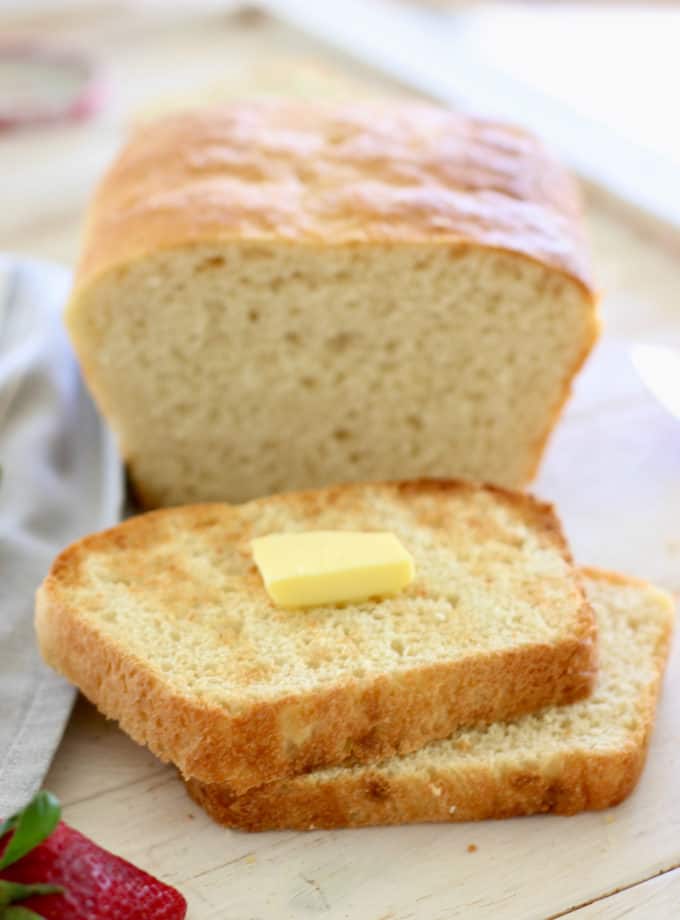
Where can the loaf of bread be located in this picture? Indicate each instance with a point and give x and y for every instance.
(564, 760)
(279, 295)
(165, 624)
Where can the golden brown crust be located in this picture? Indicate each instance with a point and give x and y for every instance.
(334, 176)
(567, 783)
(580, 782)
(361, 720)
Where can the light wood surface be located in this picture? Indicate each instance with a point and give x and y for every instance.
(613, 467)
(658, 897)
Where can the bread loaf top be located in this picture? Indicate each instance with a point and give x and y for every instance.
(331, 175)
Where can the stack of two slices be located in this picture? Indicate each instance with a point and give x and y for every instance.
(501, 681)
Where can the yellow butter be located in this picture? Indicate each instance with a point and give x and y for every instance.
(331, 566)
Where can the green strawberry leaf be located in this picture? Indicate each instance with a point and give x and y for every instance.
(15, 891)
(31, 826)
(19, 913)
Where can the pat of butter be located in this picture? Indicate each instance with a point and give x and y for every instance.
(331, 566)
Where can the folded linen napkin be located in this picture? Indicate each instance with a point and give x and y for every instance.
(61, 478)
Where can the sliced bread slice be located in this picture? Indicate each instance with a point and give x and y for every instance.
(563, 760)
(165, 624)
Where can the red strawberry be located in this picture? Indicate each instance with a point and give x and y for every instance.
(96, 883)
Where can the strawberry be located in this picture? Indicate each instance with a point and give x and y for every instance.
(68, 877)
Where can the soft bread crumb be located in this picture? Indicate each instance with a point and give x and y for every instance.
(296, 369)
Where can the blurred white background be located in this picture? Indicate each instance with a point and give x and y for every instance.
(598, 80)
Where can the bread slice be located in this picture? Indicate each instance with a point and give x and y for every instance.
(278, 296)
(165, 624)
(563, 760)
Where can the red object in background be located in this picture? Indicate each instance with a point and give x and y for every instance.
(97, 885)
(39, 84)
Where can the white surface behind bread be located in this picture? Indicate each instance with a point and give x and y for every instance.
(280, 296)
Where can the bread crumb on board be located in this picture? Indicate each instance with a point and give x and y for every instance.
(472, 848)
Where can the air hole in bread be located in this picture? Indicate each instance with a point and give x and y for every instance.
(340, 342)
(209, 264)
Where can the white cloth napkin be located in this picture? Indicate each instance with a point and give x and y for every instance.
(61, 479)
